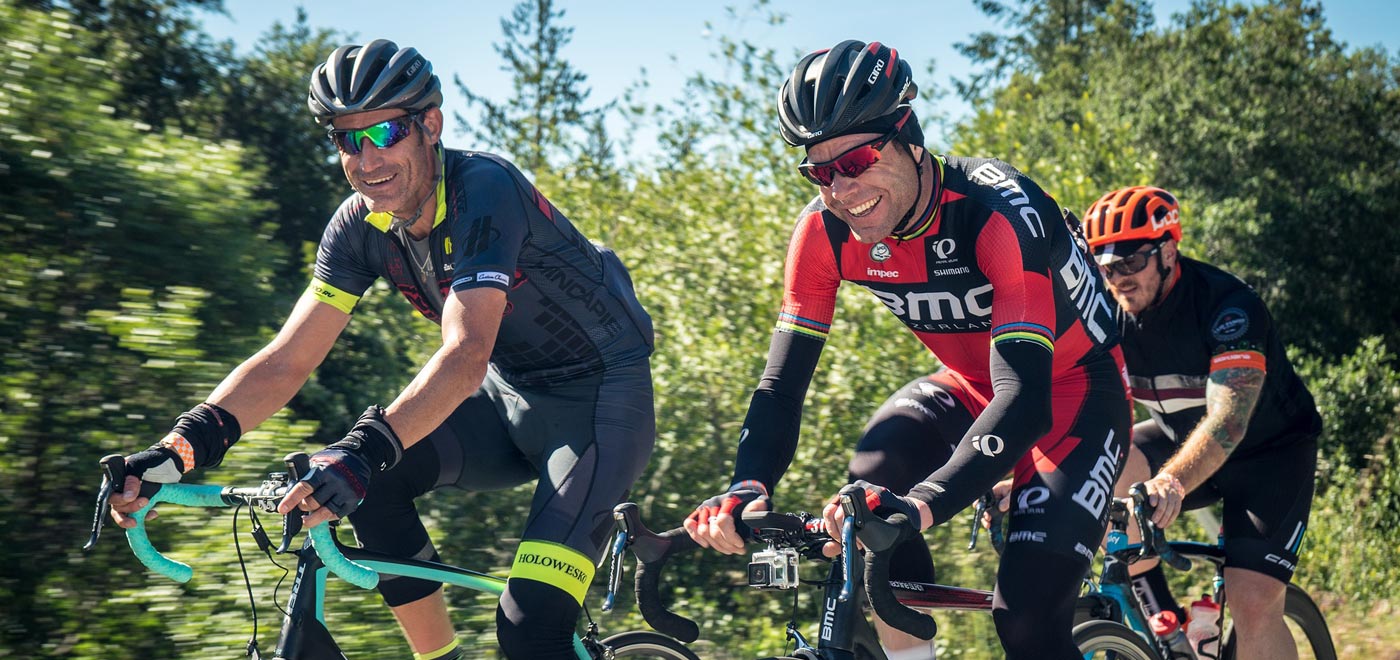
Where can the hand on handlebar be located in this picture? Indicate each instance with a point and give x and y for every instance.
(332, 489)
(1002, 492)
(883, 503)
(712, 524)
(145, 472)
(1165, 493)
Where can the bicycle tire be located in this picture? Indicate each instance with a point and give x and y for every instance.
(1110, 640)
(1299, 608)
(647, 644)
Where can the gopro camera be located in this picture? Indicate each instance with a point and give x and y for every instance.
(774, 569)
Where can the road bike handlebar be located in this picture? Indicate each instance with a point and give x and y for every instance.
(653, 551)
(802, 532)
(1154, 541)
(881, 536)
(265, 496)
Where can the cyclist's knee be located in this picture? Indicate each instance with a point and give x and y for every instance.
(536, 620)
(1030, 634)
(1253, 596)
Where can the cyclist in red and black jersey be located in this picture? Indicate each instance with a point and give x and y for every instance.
(1231, 420)
(543, 372)
(988, 272)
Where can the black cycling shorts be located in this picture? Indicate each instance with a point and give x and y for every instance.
(1267, 498)
(1062, 484)
(585, 441)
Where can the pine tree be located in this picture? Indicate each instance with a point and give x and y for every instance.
(545, 117)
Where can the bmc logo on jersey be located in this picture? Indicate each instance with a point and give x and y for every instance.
(1094, 493)
(989, 175)
(919, 306)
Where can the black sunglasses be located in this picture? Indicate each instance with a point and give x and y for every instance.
(1131, 264)
(383, 135)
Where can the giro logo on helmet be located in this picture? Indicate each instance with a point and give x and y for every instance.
(875, 73)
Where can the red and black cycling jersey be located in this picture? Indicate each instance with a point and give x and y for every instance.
(570, 308)
(1211, 320)
(997, 283)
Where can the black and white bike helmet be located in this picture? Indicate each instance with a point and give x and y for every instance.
(374, 76)
(835, 90)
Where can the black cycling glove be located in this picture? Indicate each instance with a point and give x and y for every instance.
(735, 499)
(200, 438)
(340, 473)
(884, 503)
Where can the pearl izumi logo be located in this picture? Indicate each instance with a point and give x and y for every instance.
(880, 252)
(989, 445)
(944, 248)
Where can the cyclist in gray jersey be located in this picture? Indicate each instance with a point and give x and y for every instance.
(543, 372)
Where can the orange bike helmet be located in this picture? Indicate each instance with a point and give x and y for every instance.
(1132, 214)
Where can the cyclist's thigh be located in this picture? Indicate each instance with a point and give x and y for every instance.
(1268, 498)
(1059, 501)
(589, 439)
(477, 444)
(914, 432)
(1033, 605)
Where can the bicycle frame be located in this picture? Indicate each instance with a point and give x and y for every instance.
(1115, 583)
(304, 634)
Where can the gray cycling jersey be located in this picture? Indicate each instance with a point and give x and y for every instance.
(570, 308)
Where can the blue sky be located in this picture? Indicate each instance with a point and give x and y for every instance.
(614, 39)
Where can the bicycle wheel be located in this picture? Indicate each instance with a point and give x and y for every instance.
(647, 644)
(1304, 619)
(1110, 640)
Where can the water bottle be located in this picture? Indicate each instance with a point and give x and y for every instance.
(1204, 628)
(1165, 626)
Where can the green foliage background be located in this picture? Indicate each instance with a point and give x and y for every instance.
(159, 218)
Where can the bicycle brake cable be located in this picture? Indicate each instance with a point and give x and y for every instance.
(252, 648)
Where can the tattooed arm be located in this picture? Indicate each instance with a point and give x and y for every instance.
(1231, 394)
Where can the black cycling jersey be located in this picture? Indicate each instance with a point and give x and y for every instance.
(570, 309)
(567, 400)
(1212, 320)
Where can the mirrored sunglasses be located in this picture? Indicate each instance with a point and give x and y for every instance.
(1131, 264)
(383, 135)
(851, 163)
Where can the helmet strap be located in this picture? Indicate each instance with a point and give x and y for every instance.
(1164, 284)
(918, 172)
(901, 229)
(399, 223)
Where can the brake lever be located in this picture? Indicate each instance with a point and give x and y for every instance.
(615, 568)
(977, 511)
(298, 463)
(113, 477)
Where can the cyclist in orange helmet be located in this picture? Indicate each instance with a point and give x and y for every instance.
(1230, 419)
